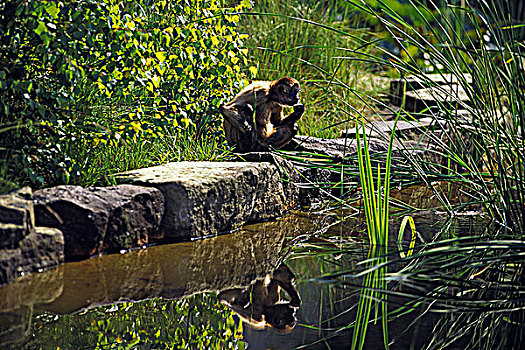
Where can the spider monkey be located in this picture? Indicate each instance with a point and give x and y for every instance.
(260, 304)
(260, 106)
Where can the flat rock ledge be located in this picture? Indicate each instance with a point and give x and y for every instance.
(205, 198)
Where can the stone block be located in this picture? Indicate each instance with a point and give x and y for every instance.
(405, 129)
(443, 97)
(205, 198)
(100, 219)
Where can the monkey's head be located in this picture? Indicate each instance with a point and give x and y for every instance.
(285, 91)
(281, 317)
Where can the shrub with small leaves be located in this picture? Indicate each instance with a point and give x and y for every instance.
(87, 73)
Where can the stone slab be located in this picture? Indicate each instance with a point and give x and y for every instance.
(398, 87)
(446, 96)
(205, 198)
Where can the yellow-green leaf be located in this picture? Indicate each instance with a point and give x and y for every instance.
(253, 70)
(161, 55)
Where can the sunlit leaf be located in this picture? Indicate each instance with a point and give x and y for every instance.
(161, 56)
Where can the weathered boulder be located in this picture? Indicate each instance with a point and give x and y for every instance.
(16, 217)
(336, 148)
(205, 198)
(40, 249)
(97, 219)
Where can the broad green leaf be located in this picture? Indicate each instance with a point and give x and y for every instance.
(52, 9)
(41, 28)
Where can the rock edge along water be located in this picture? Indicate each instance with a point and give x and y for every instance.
(178, 201)
(205, 198)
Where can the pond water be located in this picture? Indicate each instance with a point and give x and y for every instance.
(167, 296)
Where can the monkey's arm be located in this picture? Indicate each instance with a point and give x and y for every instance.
(298, 111)
(286, 278)
(236, 118)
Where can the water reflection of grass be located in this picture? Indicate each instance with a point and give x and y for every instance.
(196, 322)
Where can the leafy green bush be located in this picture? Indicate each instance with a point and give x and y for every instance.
(83, 74)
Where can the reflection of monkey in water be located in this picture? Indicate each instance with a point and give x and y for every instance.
(272, 128)
(259, 304)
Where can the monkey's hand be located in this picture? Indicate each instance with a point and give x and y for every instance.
(298, 109)
(247, 111)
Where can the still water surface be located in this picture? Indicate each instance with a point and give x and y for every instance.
(166, 296)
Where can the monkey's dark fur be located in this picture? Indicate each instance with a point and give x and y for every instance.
(260, 304)
(254, 119)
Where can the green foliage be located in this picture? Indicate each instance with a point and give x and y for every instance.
(198, 322)
(84, 74)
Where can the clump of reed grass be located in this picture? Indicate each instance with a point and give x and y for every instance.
(376, 205)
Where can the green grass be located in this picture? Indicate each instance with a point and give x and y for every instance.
(313, 41)
(485, 151)
(101, 162)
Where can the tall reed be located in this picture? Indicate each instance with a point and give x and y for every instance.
(376, 205)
